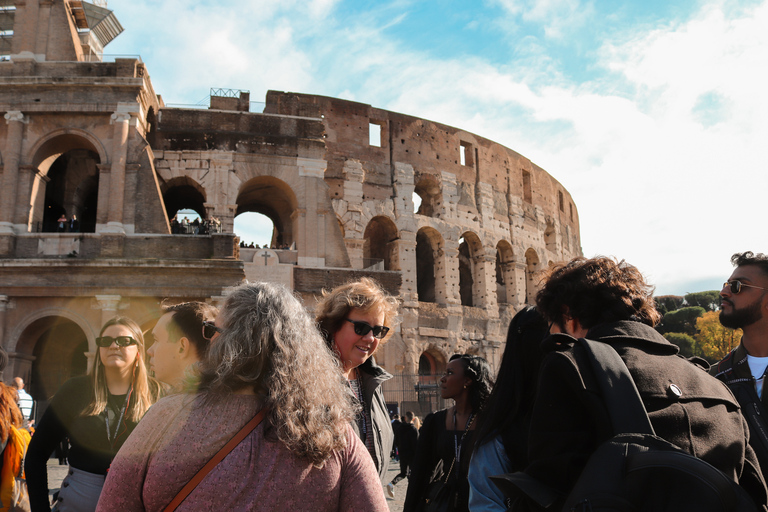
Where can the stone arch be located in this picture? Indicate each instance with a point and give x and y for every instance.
(532, 267)
(67, 181)
(505, 273)
(48, 148)
(57, 340)
(273, 198)
(430, 267)
(379, 246)
(183, 192)
(470, 267)
(428, 188)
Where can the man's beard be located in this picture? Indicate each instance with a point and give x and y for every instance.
(740, 318)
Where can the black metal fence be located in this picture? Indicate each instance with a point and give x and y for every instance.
(413, 392)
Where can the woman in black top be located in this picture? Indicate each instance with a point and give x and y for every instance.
(444, 435)
(96, 413)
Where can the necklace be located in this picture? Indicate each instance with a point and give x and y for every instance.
(112, 436)
(456, 441)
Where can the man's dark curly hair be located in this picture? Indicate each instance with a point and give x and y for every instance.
(743, 259)
(596, 291)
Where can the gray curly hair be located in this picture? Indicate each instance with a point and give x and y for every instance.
(270, 343)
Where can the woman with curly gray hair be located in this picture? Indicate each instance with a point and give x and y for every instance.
(266, 356)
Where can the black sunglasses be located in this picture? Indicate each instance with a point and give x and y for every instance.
(120, 341)
(735, 286)
(210, 330)
(363, 328)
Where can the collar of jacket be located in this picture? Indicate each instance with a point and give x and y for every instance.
(378, 373)
(618, 332)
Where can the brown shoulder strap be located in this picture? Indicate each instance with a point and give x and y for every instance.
(237, 439)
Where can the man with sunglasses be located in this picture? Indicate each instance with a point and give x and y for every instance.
(744, 305)
(181, 338)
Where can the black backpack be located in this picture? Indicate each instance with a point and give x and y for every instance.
(635, 470)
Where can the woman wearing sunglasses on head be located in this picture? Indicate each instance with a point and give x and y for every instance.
(96, 413)
(355, 319)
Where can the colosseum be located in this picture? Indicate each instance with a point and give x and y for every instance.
(453, 224)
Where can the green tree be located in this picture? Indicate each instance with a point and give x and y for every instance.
(667, 303)
(682, 320)
(715, 341)
(688, 345)
(709, 300)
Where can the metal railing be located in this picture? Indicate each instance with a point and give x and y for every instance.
(412, 392)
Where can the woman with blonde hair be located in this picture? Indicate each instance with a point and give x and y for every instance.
(267, 361)
(355, 319)
(96, 413)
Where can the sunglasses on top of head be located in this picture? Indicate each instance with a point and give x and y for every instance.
(363, 328)
(735, 286)
(210, 330)
(120, 341)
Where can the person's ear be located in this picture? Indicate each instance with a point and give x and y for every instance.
(183, 345)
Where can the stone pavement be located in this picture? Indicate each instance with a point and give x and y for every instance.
(57, 473)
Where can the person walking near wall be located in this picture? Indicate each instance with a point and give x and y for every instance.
(407, 438)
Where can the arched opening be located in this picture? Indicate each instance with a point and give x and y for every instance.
(274, 199)
(427, 365)
(465, 273)
(531, 268)
(431, 199)
(66, 184)
(505, 273)
(470, 270)
(380, 248)
(58, 346)
(254, 229)
(184, 201)
(429, 271)
(71, 190)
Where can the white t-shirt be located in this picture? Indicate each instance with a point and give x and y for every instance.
(757, 366)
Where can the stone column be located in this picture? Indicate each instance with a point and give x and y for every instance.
(449, 259)
(121, 121)
(4, 301)
(11, 156)
(485, 281)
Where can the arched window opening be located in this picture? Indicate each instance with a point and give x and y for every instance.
(430, 203)
(425, 268)
(271, 198)
(531, 269)
(71, 193)
(255, 230)
(466, 282)
(380, 248)
(505, 273)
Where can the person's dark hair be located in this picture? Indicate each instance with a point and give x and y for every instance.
(187, 322)
(477, 369)
(744, 259)
(596, 291)
(511, 399)
(409, 416)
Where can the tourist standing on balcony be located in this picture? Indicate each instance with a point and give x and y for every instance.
(97, 413)
(444, 435)
(355, 319)
(267, 361)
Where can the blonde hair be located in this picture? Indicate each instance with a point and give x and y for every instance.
(146, 390)
(365, 295)
(269, 342)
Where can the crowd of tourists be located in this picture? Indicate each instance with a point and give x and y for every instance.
(259, 406)
(197, 226)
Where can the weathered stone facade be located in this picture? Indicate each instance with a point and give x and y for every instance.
(93, 139)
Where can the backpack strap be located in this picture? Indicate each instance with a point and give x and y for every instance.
(620, 394)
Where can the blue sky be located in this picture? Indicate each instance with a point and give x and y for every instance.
(652, 114)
